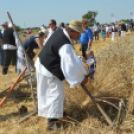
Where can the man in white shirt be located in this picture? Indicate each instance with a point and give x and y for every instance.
(56, 62)
(96, 30)
(53, 27)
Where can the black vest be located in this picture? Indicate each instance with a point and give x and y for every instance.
(49, 56)
(8, 37)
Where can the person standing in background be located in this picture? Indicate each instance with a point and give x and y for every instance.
(96, 31)
(114, 30)
(1, 51)
(103, 32)
(9, 47)
(53, 27)
(132, 24)
(62, 26)
(86, 38)
(123, 29)
(107, 30)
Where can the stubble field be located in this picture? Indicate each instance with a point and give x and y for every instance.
(113, 78)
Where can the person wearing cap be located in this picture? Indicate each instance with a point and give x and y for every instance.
(86, 38)
(57, 61)
(9, 47)
(34, 42)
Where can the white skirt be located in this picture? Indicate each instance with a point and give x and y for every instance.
(50, 96)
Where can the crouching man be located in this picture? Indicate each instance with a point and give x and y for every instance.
(56, 62)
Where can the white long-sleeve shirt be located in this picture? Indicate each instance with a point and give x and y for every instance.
(71, 65)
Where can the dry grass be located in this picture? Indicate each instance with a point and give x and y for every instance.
(114, 77)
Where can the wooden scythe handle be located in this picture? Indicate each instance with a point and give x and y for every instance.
(12, 87)
(98, 106)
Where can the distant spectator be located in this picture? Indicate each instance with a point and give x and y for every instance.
(110, 29)
(9, 47)
(62, 25)
(132, 24)
(1, 51)
(53, 27)
(86, 38)
(126, 27)
(67, 24)
(119, 29)
(107, 30)
(103, 32)
(123, 29)
(96, 30)
(114, 30)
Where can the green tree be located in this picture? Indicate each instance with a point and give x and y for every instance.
(126, 21)
(91, 15)
(18, 28)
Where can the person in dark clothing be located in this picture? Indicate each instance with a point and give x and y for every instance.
(123, 29)
(9, 47)
(132, 24)
(1, 51)
(34, 42)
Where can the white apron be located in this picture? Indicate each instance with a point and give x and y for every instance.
(50, 96)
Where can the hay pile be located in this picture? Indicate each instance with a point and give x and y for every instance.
(115, 71)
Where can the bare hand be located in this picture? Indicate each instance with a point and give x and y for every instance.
(84, 59)
(88, 47)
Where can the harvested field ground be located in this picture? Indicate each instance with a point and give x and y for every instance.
(82, 115)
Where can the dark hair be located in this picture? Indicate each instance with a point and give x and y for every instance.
(53, 21)
(62, 24)
(41, 34)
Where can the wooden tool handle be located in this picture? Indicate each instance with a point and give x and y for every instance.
(98, 106)
(12, 87)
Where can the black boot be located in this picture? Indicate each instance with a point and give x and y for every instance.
(4, 70)
(52, 124)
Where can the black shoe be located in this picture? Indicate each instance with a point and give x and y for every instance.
(52, 120)
(54, 126)
(4, 71)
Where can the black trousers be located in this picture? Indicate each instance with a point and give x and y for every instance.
(10, 57)
(96, 34)
(84, 49)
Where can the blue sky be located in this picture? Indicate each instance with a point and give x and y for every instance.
(36, 12)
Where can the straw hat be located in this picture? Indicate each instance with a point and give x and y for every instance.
(122, 22)
(76, 26)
